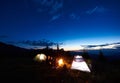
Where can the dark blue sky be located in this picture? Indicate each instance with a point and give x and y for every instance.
(73, 22)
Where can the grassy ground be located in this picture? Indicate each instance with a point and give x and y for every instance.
(21, 70)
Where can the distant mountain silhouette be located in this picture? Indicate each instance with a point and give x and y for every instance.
(7, 50)
(109, 53)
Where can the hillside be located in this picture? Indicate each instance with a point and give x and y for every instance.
(7, 50)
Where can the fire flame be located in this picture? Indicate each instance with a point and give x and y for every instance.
(60, 62)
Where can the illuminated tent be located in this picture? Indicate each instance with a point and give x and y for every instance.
(80, 64)
(40, 57)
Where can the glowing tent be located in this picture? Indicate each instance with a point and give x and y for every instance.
(79, 64)
(40, 57)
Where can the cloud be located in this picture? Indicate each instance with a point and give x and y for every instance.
(50, 6)
(74, 16)
(104, 46)
(56, 6)
(55, 17)
(38, 43)
(96, 9)
(91, 11)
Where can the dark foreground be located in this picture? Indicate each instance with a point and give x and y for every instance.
(25, 70)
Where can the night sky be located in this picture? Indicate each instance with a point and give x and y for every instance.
(72, 22)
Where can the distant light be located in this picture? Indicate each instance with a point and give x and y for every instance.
(40, 57)
(79, 64)
(60, 62)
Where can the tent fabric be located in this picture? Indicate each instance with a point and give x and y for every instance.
(80, 64)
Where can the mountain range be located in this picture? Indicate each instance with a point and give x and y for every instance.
(111, 51)
(7, 50)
